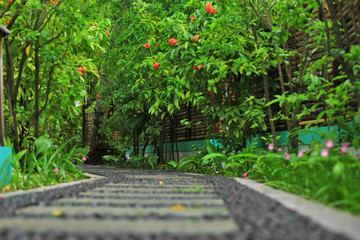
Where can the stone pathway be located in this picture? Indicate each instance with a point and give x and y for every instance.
(157, 205)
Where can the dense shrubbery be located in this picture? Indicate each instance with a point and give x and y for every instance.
(217, 57)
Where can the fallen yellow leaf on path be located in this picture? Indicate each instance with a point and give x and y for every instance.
(178, 208)
(56, 213)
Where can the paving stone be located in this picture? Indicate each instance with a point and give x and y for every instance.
(153, 190)
(175, 177)
(170, 195)
(103, 226)
(158, 185)
(142, 202)
(187, 212)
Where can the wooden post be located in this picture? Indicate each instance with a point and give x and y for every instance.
(3, 33)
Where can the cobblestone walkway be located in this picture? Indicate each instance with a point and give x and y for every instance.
(156, 205)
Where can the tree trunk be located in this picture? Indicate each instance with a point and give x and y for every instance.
(161, 143)
(267, 94)
(37, 91)
(347, 67)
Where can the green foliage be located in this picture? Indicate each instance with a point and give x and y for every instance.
(45, 164)
(328, 179)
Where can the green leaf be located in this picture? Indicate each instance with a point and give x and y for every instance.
(214, 155)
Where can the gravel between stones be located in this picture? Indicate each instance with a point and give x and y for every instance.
(257, 216)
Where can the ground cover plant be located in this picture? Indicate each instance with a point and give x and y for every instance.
(45, 164)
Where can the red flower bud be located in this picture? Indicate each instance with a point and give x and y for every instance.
(9, 1)
(8, 21)
(192, 18)
(201, 66)
(196, 67)
(68, 127)
(158, 44)
(146, 45)
(81, 69)
(156, 65)
(195, 38)
(107, 32)
(98, 96)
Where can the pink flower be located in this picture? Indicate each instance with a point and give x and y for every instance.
(217, 172)
(180, 154)
(84, 158)
(245, 175)
(280, 149)
(237, 167)
(199, 152)
(329, 143)
(56, 171)
(287, 156)
(344, 148)
(325, 152)
(359, 156)
(300, 154)
(271, 146)
(59, 154)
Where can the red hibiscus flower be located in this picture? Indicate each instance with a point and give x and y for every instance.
(173, 41)
(196, 67)
(212, 11)
(192, 18)
(146, 45)
(81, 69)
(195, 38)
(156, 65)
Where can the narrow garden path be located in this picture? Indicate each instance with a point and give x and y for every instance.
(137, 204)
